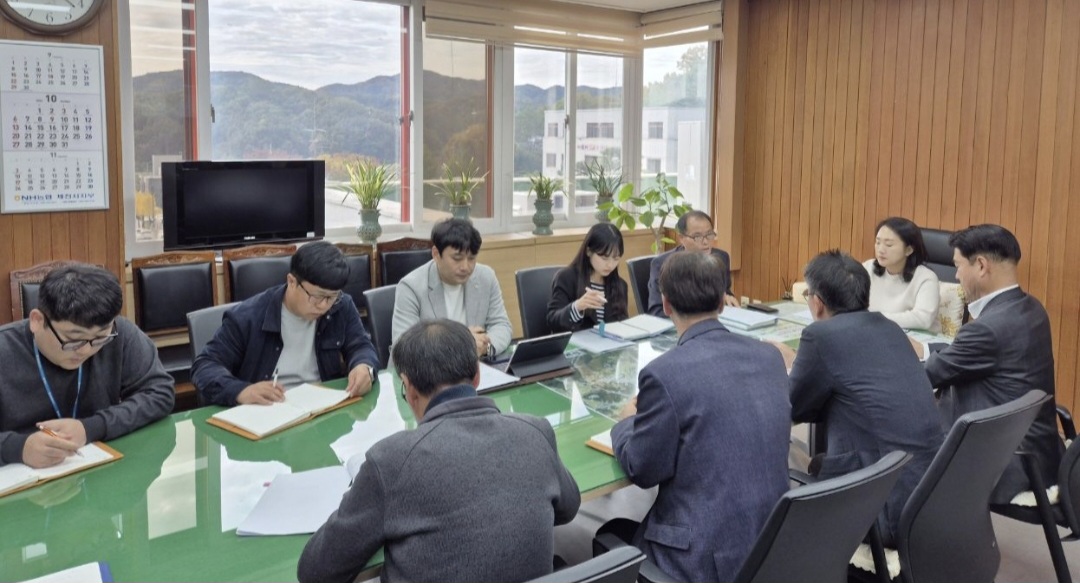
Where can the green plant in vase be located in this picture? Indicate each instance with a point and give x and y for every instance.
(606, 184)
(369, 181)
(656, 203)
(459, 182)
(544, 187)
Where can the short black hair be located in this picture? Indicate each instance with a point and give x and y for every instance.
(456, 233)
(839, 281)
(85, 295)
(436, 353)
(992, 241)
(694, 283)
(322, 264)
(911, 236)
(681, 224)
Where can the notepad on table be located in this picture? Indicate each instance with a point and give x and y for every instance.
(636, 328)
(301, 403)
(744, 319)
(601, 442)
(89, 573)
(297, 503)
(18, 477)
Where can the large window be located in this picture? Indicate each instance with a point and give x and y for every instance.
(676, 98)
(309, 105)
(539, 102)
(599, 105)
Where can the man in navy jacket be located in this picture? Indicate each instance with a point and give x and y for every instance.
(306, 330)
(711, 428)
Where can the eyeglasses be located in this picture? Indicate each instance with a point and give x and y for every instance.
(73, 345)
(319, 300)
(710, 237)
(806, 293)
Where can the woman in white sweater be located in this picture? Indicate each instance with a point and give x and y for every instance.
(901, 287)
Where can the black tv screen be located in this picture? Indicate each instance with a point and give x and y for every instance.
(225, 204)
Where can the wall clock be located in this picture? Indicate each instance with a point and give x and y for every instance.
(52, 17)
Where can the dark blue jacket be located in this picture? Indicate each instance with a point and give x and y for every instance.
(712, 429)
(656, 301)
(246, 348)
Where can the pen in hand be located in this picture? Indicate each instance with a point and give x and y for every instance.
(52, 433)
(274, 380)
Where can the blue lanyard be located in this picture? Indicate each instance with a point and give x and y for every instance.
(48, 389)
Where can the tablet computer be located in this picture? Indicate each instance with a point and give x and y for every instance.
(537, 356)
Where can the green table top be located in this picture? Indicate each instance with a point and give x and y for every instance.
(168, 510)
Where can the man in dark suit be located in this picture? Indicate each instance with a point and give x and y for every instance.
(1001, 354)
(711, 428)
(694, 231)
(855, 374)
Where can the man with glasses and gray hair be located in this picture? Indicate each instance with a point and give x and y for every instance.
(694, 231)
(302, 331)
(75, 371)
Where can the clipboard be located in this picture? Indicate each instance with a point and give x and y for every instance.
(249, 435)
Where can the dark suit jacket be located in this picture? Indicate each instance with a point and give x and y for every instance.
(656, 304)
(712, 429)
(856, 372)
(995, 359)
(565, 290)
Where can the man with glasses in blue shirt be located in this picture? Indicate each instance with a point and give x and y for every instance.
(694, 231)
(75, 372)
(302, 331)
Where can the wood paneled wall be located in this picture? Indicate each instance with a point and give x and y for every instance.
(91, 236)
(949, 112)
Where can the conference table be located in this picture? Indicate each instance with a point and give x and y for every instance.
(168, 510)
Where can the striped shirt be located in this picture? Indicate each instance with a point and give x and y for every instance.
(576, 316)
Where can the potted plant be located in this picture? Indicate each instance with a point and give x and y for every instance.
(657, 202)
(369, 181)
(544, 187)
(605, 185)
(459, 182)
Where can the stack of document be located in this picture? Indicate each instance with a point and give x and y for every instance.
(636, 328)
(261, 420)
(744, 319)
(297, 503)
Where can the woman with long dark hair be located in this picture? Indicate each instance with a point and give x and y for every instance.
(589, 290)
(901, 287)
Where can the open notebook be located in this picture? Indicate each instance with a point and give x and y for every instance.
(602, 442)
(18, 477)
(301, 403)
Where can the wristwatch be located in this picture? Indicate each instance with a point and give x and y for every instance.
(370, 370)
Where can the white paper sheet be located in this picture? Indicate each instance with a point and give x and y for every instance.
(297, 503)
(491, 378)
(88, 573)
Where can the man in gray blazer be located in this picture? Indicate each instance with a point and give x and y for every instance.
(470, 495)
(711, 427)
(1001, 354)
(453, 285)
(856, 375)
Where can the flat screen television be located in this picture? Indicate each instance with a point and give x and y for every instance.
(228, 204)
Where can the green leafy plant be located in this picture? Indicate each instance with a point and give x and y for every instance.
(369, 181)
(651, 208)
(459, 182)
(544, 187)
(605, 184)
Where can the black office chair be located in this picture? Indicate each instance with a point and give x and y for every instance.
(639, 268)
(203, 324)
(813, 530)
(252, 270)
(380, 303)
(945, 533)
(534, 293)
(359, 259)
(25, 284)
(398, 264)
(939, 255)
(616, 566)
(1049, 515)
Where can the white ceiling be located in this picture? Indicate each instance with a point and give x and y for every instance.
(636, 5)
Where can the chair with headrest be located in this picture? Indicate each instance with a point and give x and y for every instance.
(358, 256)
(534, 293)
(380, 303)
(25, 284)
(400, 257)
(939, 255)
(254, 269)
(639, 268)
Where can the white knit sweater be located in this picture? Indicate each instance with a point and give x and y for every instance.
(911, 304)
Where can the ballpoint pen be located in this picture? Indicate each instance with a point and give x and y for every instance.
(274, 380)
(52, 433)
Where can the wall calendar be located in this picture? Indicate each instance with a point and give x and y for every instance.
(52, 107)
